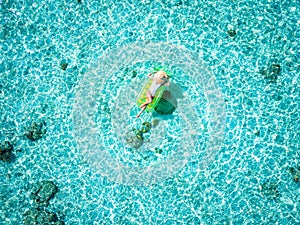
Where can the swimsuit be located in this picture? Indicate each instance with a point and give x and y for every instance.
(153, 88)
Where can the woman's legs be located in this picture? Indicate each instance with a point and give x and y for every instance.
(149, 99)
(142, 110)
(143, 106)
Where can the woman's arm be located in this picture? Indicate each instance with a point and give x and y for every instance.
(166, 82)
(150, 75)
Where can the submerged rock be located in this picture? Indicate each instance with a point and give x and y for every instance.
(36, 131)
(36, 216)
(295, 173)
(138, 134)
(134, 74)
(263, 72)
(257, 132)
(63, 65)
(272, 73)
(146, 126)
(275, 69)
(6, 149)
(269, 190)
(231, 32)
(43, 191)
(154, 122)
(134, 138)
(158, 150)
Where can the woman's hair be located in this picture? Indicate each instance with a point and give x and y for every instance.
(161, 74)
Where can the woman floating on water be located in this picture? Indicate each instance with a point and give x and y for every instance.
(159, 79)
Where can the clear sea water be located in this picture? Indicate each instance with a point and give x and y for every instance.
(235, 133)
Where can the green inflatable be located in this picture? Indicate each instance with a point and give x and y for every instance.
(142, 96)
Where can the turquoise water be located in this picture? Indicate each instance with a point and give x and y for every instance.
(254, 138)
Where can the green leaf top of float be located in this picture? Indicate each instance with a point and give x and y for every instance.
(157, 68)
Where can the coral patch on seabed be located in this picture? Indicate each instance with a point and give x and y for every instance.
(231, 32)
(295, 171)
(43, 191)
(63, 65)
(6, 154)
(269, 190)
(134, 138)
(36, 216)
(271, 74)
(36, 131)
